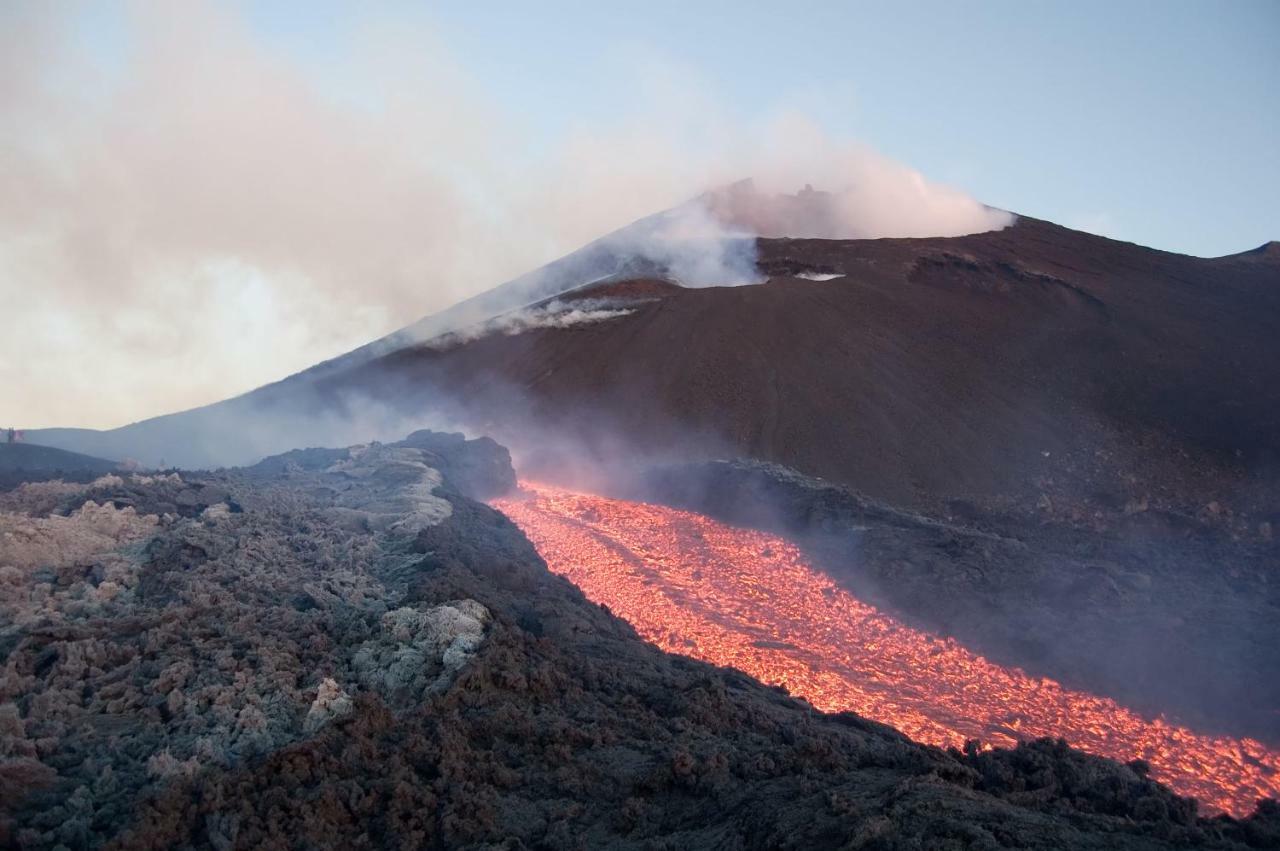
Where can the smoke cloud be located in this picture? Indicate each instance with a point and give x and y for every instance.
(194, 212)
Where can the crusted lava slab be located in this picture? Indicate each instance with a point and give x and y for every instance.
(343, 648)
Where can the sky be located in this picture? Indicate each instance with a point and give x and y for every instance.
(199, 198)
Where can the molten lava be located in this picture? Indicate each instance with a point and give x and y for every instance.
(746, 599)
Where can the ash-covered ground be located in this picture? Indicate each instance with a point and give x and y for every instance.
(344, 648)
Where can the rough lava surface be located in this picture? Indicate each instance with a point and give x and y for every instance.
(342, 647)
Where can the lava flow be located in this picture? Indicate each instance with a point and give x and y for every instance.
(746, 599)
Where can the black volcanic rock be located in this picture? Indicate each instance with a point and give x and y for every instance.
(278, 677)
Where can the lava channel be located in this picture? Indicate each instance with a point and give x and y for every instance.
(746, 599)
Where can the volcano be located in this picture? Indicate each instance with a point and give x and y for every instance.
(995, 490)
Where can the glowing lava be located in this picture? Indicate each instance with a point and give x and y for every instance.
(746, 599)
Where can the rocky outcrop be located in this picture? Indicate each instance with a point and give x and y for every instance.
(480, 468)
(420, 651)
(331, 704)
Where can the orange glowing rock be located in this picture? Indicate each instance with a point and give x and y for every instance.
(746, 599)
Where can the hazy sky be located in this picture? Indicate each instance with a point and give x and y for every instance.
(196, 199)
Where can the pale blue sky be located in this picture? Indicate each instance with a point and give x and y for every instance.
(1156, 122)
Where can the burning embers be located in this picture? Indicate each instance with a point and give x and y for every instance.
(747, 599)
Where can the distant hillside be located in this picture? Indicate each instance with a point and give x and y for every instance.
(20, 462)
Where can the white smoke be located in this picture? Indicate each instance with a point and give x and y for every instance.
(839, 189)
(696, 248)
(555, 314)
